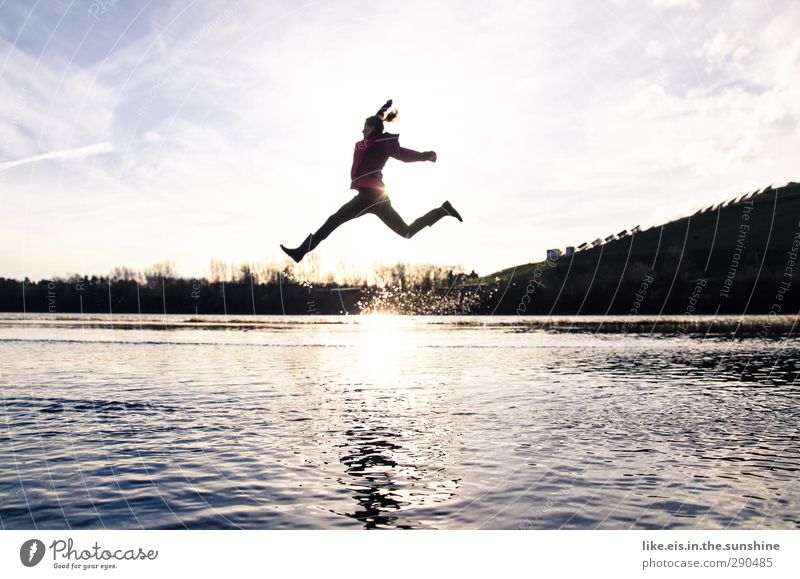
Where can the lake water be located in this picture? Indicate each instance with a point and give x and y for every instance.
(391, 422)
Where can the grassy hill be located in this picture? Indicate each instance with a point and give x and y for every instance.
(733, 258)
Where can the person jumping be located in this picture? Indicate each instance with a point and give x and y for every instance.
(369, 157)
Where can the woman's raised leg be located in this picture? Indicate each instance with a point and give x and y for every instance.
(357, 206)
(392, 218)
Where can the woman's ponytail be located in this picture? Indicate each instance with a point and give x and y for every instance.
(387, 116)
(385, 113)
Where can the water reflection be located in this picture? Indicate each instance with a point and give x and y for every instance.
(393, 457)
(368, 460)
(389, 475)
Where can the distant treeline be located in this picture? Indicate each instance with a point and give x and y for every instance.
(399, 288)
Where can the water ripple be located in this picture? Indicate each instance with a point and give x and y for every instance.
(408, 425)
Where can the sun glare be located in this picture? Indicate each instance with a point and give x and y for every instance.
(385, 343)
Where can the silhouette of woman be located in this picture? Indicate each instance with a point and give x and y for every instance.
(369, 157)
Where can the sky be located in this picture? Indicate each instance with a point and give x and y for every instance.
(136, 132)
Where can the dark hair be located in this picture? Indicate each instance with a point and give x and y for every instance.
(376, 121)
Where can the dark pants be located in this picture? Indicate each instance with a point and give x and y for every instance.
(378, 203)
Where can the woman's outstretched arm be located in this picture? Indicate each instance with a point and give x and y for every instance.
(410, 155)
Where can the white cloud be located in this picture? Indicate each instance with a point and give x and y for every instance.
(693, 4)
(654, 50)
(77, 153)
(51, 104)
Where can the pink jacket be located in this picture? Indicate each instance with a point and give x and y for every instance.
(371, 154)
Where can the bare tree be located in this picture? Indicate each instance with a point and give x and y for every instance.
(163, 270)
(220, 271)
(123, 273)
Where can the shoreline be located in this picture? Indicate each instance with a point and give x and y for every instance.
(751, 326)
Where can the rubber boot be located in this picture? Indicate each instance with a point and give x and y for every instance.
(451, 210)
(300, 251)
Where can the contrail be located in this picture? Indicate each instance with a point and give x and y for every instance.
(87, 151)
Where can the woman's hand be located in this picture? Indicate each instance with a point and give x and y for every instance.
(431, 156)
